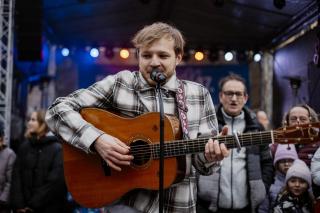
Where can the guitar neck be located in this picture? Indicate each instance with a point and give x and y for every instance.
(191, 146)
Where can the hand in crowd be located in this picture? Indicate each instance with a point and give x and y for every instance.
(113, 151)
(215, 151)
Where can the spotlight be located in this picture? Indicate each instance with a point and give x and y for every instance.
(65, 52)
(279, 4)
(228, 56)
(257, 57)
(124, 53)
(199, 55)
(94, 52)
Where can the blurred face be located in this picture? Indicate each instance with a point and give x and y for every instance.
(298, 115)
(297, 186)
(233, 97)
(33, 124)
(263, 118)
(284, 165)
(161, 55)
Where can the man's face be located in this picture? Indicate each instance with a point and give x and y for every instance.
(160, 55)
(233, 97)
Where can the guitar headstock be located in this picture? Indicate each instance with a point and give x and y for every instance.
(299, 134)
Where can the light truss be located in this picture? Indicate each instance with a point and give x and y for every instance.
(6, 63)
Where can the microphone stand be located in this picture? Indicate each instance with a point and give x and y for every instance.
(161, 151)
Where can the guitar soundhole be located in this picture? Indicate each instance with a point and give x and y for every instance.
(141, 152)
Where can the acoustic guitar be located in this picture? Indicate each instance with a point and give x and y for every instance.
(93, 184)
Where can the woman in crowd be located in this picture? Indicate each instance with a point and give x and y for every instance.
(37, 180)
(7, 158)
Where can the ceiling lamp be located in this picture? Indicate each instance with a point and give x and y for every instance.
(199, 55)
(257, 57)
(228, 56)
(65, 52)
(124, 53)
(94, 52)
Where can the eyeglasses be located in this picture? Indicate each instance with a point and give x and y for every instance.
(230, 94)
(301, 119)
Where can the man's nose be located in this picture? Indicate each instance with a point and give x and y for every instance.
(155, 61)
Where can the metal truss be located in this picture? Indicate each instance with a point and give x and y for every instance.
(6, 64)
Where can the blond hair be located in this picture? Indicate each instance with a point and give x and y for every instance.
(151, 33)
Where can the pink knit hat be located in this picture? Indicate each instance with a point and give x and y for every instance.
(299, 169)
(285, 151)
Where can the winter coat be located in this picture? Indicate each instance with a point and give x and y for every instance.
(38, 179)
(285, 203)
(259, 169)
(275, 188)
(7, 159)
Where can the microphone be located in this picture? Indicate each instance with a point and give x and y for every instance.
(157, 76)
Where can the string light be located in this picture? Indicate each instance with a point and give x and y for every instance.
(124, 53)
(199, 56)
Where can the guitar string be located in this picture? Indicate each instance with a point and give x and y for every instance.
(196, 144)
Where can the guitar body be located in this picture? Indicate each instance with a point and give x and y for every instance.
(94, 185)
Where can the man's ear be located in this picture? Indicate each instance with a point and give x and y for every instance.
(220, 96)
(246, 97)
(179, 58)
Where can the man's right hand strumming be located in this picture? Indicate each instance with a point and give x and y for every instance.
(113, 151)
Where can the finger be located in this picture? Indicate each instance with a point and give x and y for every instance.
(113, 166)
(225, 152)
(119, 157)
(224, 130)
(216, 148)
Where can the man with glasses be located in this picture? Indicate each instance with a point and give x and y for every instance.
(246, 174)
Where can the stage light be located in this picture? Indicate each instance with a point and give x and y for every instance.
(257, 57)
(199, 55)
(124, 53)
(94, 52)
(279, 4)
(65, 52)
(228, 56)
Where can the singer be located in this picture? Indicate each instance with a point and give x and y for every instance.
(160, 50)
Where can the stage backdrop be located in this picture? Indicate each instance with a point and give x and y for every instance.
(208, 76)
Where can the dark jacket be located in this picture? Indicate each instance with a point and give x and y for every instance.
(38, 179)
(259, 169)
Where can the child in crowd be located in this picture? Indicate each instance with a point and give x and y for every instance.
(295, 197)
(283, 160)
(7, 159)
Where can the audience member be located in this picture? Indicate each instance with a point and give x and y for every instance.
(283, 160)
(7, 159)
(295, 197)
(37, 180)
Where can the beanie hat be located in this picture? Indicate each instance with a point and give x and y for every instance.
(299, 169)
(285, 151)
